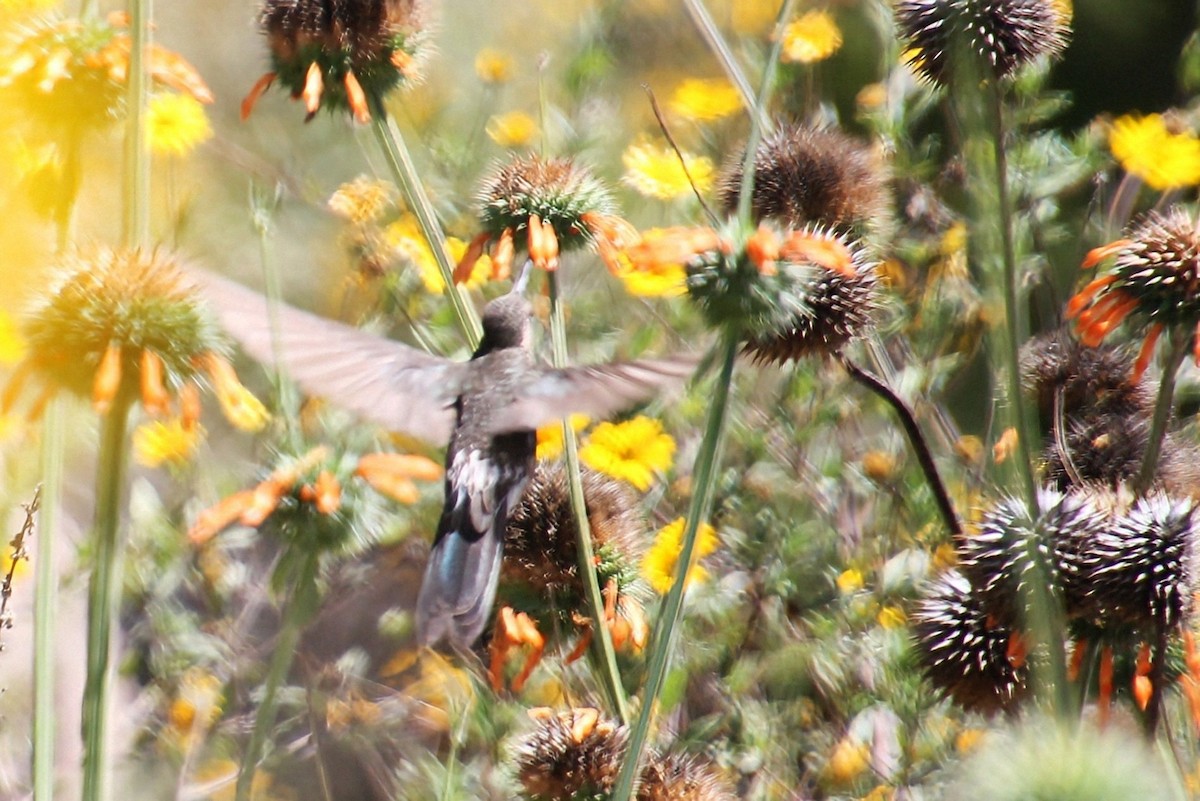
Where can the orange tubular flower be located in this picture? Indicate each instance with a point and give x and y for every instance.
(763, 250)
(108, 379)
(1104, 696)
(1142, 687)
(677, 245)
(217, 518)
(155, 399)
(830, 253)
(392, 474)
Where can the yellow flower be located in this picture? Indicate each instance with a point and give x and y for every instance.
(850, 581)
(705, 99)
(513, 130)
(891, 617)
(654, 170)
(847, 762)
(157, 443)
(12, 344)
(630, 451)
(879, 465)
(550, 436)
(968, 740)
(176, 124)
(812, 37)
(362, 200)
(1148, 149)
(242, 409)
(661, 561)
(664, 281)
(405, 236)
(493, 66)
(198, 704)
(6, 564)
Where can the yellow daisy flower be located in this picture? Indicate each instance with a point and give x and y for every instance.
(362, 200)
(514, 130)
(654, 170)
(891, 617)
(661, 561)
(705, 99)
(171, 442)
(810, 38)
(850, 581)
(405, 236)
(630, 451)
(550, 436)
(176, 124)
(493, 66)
(1147, 148)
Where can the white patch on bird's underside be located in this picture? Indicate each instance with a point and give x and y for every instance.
(479, 477)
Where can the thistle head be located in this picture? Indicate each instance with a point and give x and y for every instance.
(963, 651)
(683, 777)
(570, 755)
(341, 56)
(1002, 35)
(806, 176)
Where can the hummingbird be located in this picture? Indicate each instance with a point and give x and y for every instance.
(485, 410)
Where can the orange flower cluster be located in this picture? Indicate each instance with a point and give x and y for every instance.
(764, 248)
(388, 473)
(611, 234)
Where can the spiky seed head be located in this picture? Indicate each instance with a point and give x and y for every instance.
(1092, 379)
(137, 300)
(380, 42)
(559, 191)
(570, 755)
(810, 176)
(682, 777)
(962, 651)
(779, 298)
(1160, 269)
(1101, 448)
(1004, 35)
(1141, 570)
(1013, 549)
(840, 309)
(539, 542)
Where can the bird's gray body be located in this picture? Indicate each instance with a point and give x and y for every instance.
(486, 410)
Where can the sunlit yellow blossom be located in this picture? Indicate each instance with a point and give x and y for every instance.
(493, 66)
(661, 561)
(849, 581)
(1065, 10)
(630, 451)
(25, 6)
(550, 436)
(654, 170)
(12, 344)
(812, 37)
(871, 96)
(891, 617)
(362, 200)
(847, 762)
(405, 236)
(514, 130)
(705, 99)
(198, 702)
(1148, 149)
(968, 740)
(158, 442)
(665, 281)
(176, 124)
(242, 409)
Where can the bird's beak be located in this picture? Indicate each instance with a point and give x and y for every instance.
(522, 281)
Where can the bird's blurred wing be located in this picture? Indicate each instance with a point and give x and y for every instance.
(383, 381)
(599, 391)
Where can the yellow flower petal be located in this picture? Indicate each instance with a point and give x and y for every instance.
(705, 99)
(1147, 148)
(662, 560)
(165, 442)
(493, 66)
(514, 130)
(630, 451)
(654, 170)
(550, 436)
(176, 124)
(812, 37)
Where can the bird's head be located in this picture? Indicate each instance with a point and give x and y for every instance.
(505, 324)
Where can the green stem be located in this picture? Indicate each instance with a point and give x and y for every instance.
(601, 640)
(759, 122)
(716, 42)
(46, 603)
(1162, 411)
(136, 230)
(667, 627)
(405, 172)
(1045, 618)
(103, 592)
(297, 612)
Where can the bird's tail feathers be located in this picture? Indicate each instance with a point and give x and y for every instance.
(459, 588)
